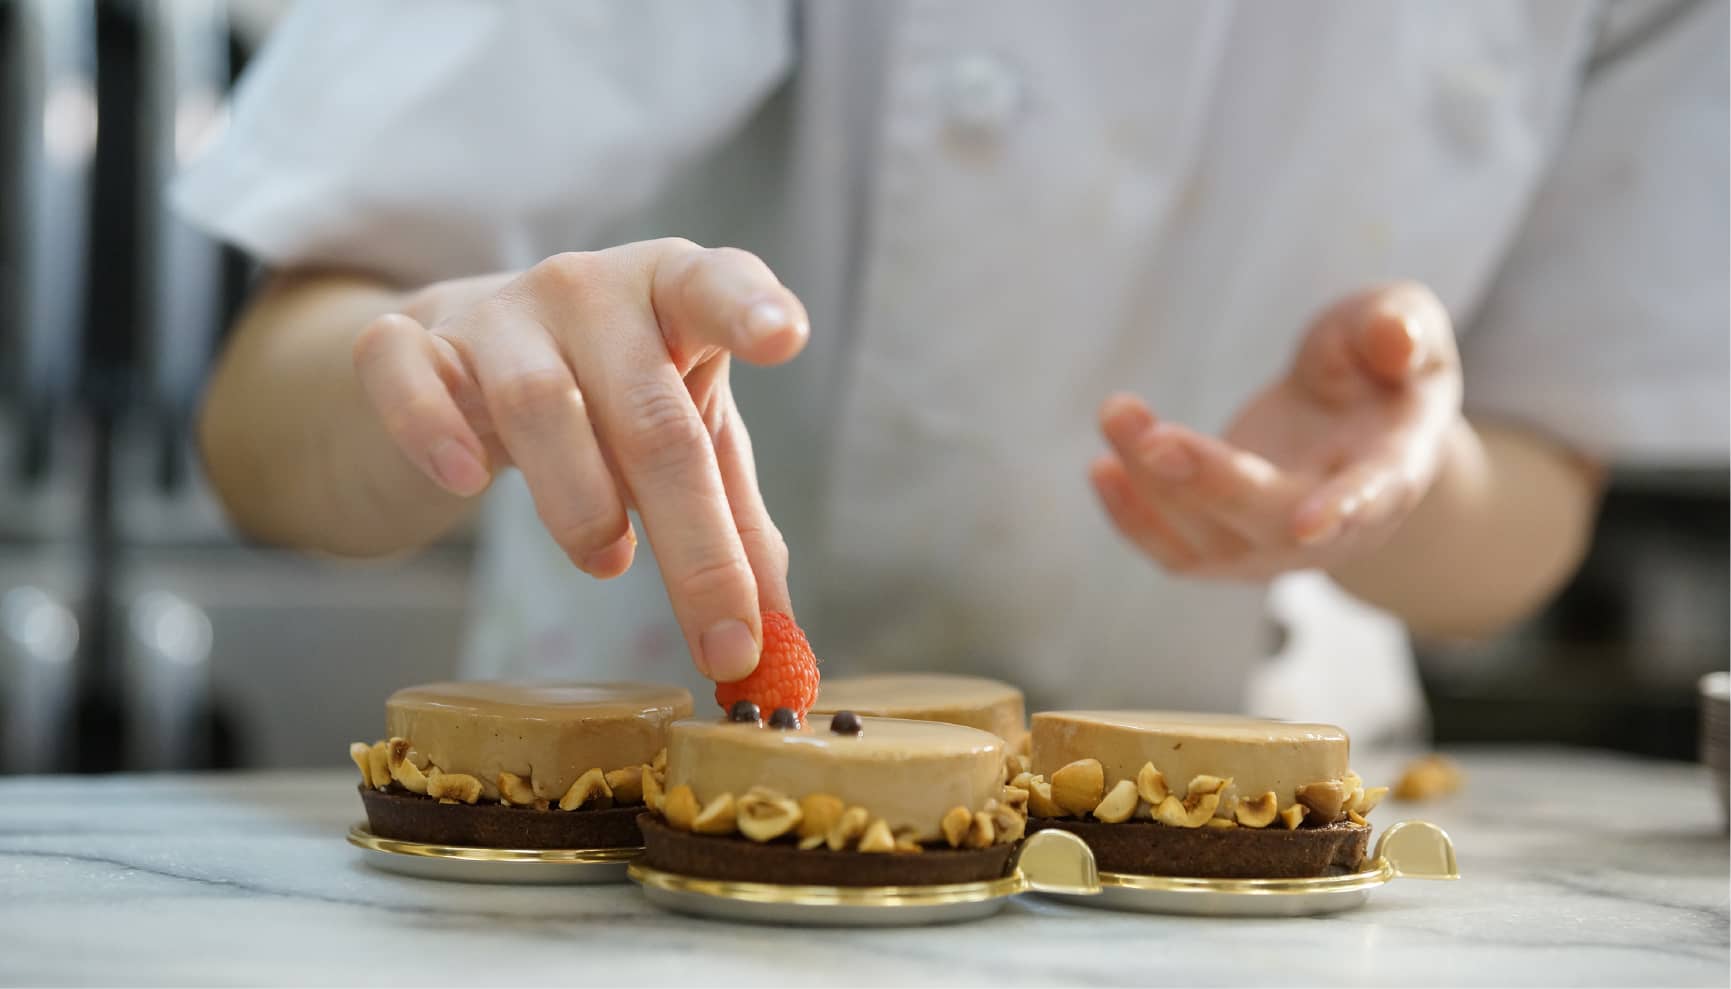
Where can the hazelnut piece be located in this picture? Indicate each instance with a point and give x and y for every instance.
(654, 797)
(1151, 784)
(1008, 824)
(590, 787)
(818, 812)
(848, 827)
(1078, 787)
(1292, 817)
(1040, 802)
(1117, 806)
(1191, 812)
(957, 820)
(403, 768)
(981, 831)
(514, 789)
(1324, 799)
(460, 787)
(379, 764)
(1258, 812)
(358, 751)
(626, 784)
(680, 808)
(877, 837)
(765, 815)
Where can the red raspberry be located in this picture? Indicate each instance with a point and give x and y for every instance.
(786, 674)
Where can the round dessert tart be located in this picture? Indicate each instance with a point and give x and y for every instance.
(517, 765)
(1200, 795)
(840, 801)
(989, 705)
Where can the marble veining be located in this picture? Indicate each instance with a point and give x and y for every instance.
(1580, 869)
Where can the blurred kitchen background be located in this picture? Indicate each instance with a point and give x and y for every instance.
(137, 633)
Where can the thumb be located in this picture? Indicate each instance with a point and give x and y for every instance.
(1400, 330)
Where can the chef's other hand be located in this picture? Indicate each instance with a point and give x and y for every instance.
(1318, 468)
(603, 377)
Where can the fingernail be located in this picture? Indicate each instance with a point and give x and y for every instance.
(606, 561)
(1326, 533)
(765, 319)
(1415, 355)
(729, 651)
(456, 469)
(1171, 461)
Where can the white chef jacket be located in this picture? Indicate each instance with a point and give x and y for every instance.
(997, 213)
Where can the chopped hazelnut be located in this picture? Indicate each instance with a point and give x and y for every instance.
(1207, 784)
(981, 831)
(1040, 802)
(403, 768)
(654, 797)
(1023, 780)
(810, 842)
(1151, 784)
(589, 788)
(379, 764)
(819, 812)
(848, 827)
(454, 786)
(626, 784)
(907, 844)
(957, 820)
(659, 763)
(1357, 818)
(719, 816)
(1368, 800)
(1078, 787)
(1258, 812)
(680, 807)
(1220, 823)
(1117, 806)
(1192, 812)
(765, 815)
(1293, 816)
(358, 752)
(1324, 799)
(1014, 796)
(877, 837)
(1008, 824)
(1428, 778)
(514, 789)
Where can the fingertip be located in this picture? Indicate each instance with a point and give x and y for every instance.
(614, 560)
(1391, 344)
(772, 331)
(1126, 411)
(728, 651)
(457, 469)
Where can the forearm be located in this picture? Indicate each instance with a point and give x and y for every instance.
(1503, 527)
(294, 451)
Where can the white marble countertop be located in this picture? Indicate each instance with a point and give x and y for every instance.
(1578, 869)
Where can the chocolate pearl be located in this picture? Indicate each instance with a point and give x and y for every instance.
(784, 718)
(846, 723)
(745, 712)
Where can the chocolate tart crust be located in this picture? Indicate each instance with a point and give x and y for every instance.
(397, 813)
(738, 859)
(1149, 848)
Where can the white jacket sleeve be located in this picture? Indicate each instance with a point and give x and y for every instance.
(1608, 324)
(422, 139)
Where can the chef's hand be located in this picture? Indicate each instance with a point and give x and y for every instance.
(603, 377)
(1319, 468)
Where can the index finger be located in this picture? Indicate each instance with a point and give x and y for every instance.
(645, 417)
